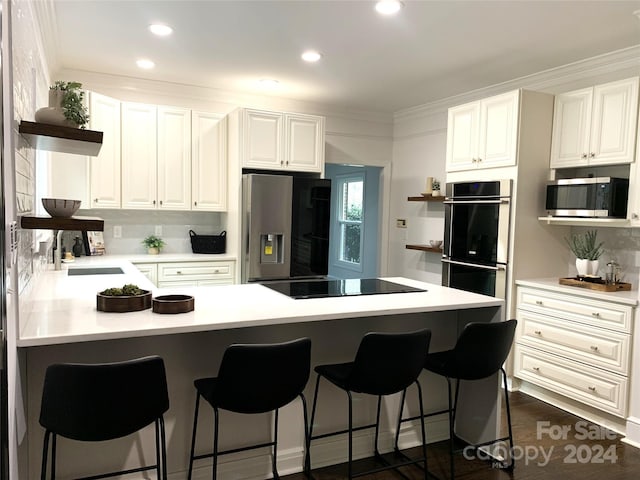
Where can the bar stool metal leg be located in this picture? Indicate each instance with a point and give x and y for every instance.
(216, 422)
(274, 457)
(350, 435)
(193, 436)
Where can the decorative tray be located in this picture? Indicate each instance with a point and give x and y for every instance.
(595, 284)
(173, 304)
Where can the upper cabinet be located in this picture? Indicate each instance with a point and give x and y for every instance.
(483, 134)
(595, 126)
(281, 141)
(208, 162)
(104, 170)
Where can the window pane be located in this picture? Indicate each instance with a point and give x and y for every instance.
(352, 200)
(351, 243)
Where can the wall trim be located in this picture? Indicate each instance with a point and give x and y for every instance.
(616, 60)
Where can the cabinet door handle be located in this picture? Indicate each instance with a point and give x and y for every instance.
(592, 155)
(594, 348)
(584, 155)
(537, 332)
(479, 159)
(195, 204)
(281, 162)
(95, 200)
(634, 216)
(160, 202)
(154, 202)
(595, 314)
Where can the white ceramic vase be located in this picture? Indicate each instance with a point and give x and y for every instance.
(53, 114)
(586, 267)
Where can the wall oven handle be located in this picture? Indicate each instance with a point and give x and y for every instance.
(475, 265)
(476, 202)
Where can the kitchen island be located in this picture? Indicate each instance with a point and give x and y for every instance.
(59, 323)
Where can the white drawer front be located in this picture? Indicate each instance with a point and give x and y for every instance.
(579, 308)
(600, 389)
(593, 346)
(169, 272)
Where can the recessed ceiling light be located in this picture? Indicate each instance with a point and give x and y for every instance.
(145, 63)
(388, 7)
(160, 29)
(311, 56)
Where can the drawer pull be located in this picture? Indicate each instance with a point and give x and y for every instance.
(595, 314)
(538, 302)
(537, 332)
(179, 272)
(536, 369)
(592, 388)
(594, 348)
(215, 270)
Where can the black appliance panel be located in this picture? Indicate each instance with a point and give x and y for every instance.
(310, 220)
(473, 232)
(338, 288)
(473, 279)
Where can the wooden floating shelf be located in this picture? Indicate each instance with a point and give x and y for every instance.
(423, 248)
(56, 138)
(428, 198)
(91, 224)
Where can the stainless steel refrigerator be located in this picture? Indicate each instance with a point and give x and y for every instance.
(285, 227)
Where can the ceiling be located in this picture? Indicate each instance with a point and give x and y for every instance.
(430, 50)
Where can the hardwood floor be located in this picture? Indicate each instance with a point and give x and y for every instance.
(585, 452)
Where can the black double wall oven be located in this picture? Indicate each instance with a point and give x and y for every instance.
(476, 236)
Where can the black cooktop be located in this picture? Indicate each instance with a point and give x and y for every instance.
(338, 288)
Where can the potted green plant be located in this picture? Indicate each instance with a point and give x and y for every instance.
(435, 188)
(153, 244)
(66, 106)
(587, 251)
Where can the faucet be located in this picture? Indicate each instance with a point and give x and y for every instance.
(57, 249)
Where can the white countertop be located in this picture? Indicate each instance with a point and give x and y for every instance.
(62, 309)
(629, 297)
(162, 257)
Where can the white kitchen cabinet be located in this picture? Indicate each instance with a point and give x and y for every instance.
(156, 157)
(139, 156)
(105, 184)
(575, 346)
(208, 162)
(595, 126)
(174, 158)
(281, 141)
(483, 134)
(149, 270)
(199, 273)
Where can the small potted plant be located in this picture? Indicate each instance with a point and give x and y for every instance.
(587, 251)
(153, 244)
(66, 106)
(435, 188)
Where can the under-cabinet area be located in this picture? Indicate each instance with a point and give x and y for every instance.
(574, 348)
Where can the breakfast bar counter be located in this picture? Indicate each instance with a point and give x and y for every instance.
(60, 323)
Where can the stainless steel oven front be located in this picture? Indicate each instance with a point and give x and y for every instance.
(476, 237)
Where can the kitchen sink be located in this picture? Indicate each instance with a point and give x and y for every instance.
(95, 271)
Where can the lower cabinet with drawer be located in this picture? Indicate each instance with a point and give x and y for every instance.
(575, 346)
(195, 273)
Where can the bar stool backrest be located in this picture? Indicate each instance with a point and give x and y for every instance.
(387, 363)
(259, 378)
(482, 349)
(95, 402)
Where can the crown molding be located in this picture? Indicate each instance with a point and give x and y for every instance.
(606, 63)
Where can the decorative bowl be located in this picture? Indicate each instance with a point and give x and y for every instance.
(123, 303)
(435, 243)
(173, 304)
(60, 207)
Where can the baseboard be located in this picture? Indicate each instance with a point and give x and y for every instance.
(256, 464)
(633, 432)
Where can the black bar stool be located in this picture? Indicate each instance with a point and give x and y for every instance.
(386, 363)
(105, 401)
(480, 352)
(254, 378)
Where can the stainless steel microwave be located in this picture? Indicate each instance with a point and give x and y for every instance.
(588, 197)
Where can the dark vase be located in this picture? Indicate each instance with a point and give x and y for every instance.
(78, 247)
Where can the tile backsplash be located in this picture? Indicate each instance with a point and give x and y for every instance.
(136, 225)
